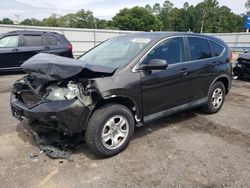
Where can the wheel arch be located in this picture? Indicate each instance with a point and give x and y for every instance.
(126, 101)
(225, 79)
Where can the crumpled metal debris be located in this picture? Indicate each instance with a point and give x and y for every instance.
(54, 144)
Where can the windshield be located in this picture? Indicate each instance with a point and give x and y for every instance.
(116, 52)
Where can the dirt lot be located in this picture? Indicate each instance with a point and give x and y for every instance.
(189, 149)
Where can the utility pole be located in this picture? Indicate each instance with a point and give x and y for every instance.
(18, 18)
(95, 25)
(247, 23)
(203, 20)
(95, 22)
(219, 23)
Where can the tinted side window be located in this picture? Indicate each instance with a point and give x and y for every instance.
(32, 40)
(9, 41)
(50, 40)
(171, 50)
(199, 48)
(216, 48)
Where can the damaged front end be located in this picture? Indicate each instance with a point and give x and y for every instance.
(61, 106)
(52, 99)
(242, 67)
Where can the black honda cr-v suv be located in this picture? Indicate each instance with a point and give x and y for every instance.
(124, 82)
(18, 46)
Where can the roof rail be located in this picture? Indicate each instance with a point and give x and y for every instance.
(16, 31)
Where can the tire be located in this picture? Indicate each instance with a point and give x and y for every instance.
(109, 130)
(215, 97)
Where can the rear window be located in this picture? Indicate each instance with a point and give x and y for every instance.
(216, 48)
(32, 40)
(50, 40)
(199, 48)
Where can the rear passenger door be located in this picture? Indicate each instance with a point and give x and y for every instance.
(204, 66)
(31, 45)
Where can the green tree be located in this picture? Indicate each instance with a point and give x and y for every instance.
(32, 22)
(26, 22)
(84, 19)
(228, 21)
(192, 23)
(191, 18)
(102, 24)
(186, 5)
(208, 12)
(164, 15)
(157, 9)
(216, 18)
(149, 8)
(7, 21)
(66, 21)
(51, 21)
(136, 18)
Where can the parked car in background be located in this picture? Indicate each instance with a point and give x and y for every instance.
(124, 82)
(242, 67)
(18, 46)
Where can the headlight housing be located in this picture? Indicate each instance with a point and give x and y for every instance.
(58, 93)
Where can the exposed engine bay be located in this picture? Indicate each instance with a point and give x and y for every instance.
(30, 91)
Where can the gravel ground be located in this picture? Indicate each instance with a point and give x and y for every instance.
(190, 149)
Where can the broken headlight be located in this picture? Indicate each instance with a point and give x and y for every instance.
(239, 65)
(58, 93)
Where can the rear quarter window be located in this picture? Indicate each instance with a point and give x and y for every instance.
(217, 49)
(199, 48)
(50, 40)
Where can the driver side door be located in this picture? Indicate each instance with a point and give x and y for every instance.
(169, 88)
(9, 52)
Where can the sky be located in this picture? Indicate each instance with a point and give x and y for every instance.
(103, 9)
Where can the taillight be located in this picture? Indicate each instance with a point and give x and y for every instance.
(231, 56)
(70, 47)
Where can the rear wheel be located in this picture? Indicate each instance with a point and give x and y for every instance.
(109, 130)
(215, 99)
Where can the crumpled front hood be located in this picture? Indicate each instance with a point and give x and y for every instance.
(51, 68)
(244, 56)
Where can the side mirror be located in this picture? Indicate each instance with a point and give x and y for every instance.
(154, 64)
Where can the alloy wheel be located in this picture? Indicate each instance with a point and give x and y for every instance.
(115, 132)
(217, 98)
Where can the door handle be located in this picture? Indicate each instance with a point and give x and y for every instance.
(46, 48)
(184, 71)
(15, 50)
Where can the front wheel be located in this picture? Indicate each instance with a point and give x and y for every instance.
(216, 98)
(109, 130)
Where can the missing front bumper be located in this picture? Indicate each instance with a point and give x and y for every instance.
(67, 116)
